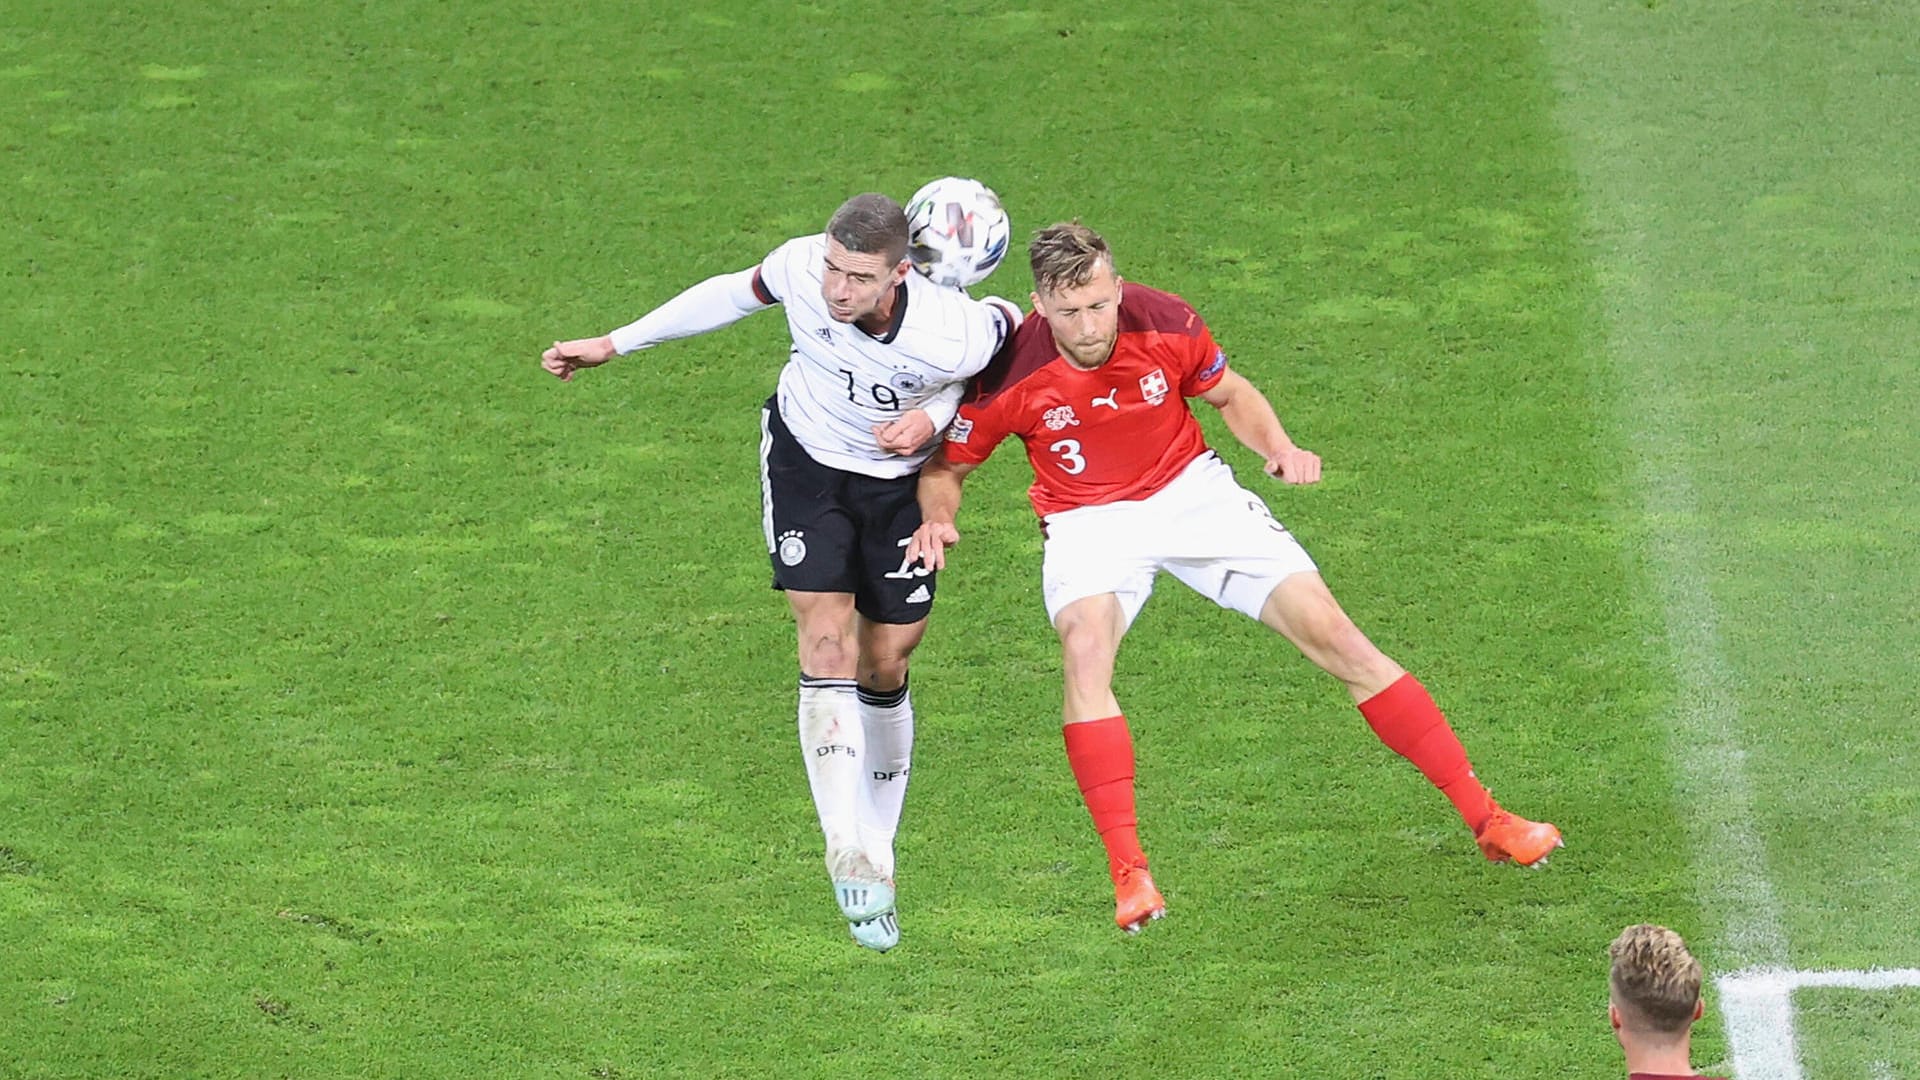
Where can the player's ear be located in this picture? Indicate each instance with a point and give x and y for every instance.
(901, 269)
(1700, 1008)
(1039, 308)
(1613, 1015)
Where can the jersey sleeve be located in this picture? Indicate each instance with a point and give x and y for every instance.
(1203, 361)
(716, 302)
(995, 321)
(943, 405)
(781, 271)
(976, 430)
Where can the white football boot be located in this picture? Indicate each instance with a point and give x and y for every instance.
(879, 934)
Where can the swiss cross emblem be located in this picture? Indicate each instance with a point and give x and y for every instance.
(1153, 386)
(1059, 417)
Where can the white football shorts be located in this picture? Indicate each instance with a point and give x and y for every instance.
(1203, 528)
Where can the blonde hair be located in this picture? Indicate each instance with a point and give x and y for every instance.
(1064, 255)
(1654, 978)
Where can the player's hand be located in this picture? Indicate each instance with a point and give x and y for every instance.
(929, 543)
(1295, 466)
(567, 357)
(904, 435)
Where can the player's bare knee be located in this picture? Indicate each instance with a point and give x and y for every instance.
(827, 654)
(1344, 640)
(885, 672)
(1348, 655)
(1086, 652)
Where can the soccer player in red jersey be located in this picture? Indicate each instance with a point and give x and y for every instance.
(1125, 487)
(1653, 999)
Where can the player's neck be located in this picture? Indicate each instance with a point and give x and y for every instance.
(1669, 1059)
(878, 321)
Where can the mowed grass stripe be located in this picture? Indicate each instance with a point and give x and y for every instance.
(1706, 735)
(1748, 182)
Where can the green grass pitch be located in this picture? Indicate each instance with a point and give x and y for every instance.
(373, 705)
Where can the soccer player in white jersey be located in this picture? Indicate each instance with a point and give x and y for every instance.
(880, 357)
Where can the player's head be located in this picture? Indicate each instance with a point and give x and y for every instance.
(1654, 986)
(866, 256)
(1076, 289)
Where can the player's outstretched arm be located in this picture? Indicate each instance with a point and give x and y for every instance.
(716, 302)
(939, 494)
(567, 357)
(1250, 416)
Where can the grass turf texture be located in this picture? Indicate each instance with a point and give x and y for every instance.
(372, 705)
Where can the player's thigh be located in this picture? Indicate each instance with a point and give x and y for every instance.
(888, 590)
(1234, 552)
(1094, 550)
(1303, 610)
(811, 532)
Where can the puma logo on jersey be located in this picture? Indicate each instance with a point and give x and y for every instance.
(1111, 401)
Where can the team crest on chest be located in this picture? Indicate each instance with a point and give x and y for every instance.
(1058, 417)
(1153, 386)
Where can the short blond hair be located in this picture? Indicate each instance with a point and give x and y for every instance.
(1064, 255)
(1654, 979)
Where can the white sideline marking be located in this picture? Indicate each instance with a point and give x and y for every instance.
(1705, 736)
(1758, 1005)
(1703, 729)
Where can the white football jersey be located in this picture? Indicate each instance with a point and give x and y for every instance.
(840, 380)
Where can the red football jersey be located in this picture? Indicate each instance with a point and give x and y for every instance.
(1120, 431)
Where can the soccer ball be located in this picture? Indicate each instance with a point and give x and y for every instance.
(957, 231)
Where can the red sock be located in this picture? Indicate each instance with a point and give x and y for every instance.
(1406, 719)
(1101, 753)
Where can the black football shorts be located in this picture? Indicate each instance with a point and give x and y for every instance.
(829, 530)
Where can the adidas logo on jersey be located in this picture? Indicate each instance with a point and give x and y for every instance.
(919, 595)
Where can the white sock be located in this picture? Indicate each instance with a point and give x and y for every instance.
(887, 716)
(833, 742)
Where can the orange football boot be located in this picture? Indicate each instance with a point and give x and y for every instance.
(1509, 836)
(1135, 900)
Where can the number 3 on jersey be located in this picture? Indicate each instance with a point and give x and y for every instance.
(1070, 458)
